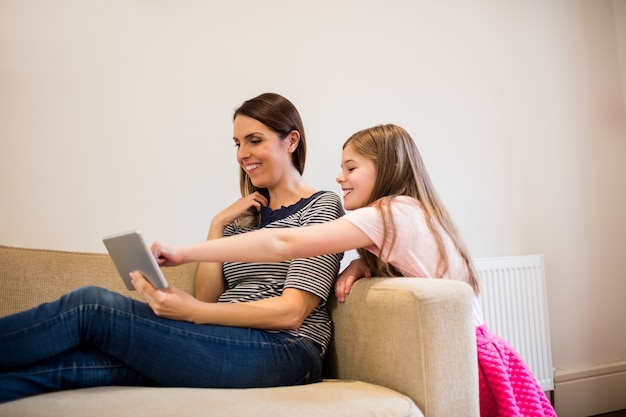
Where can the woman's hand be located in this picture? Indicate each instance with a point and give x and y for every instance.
(353, 272)
(225, 217)
(171, 302)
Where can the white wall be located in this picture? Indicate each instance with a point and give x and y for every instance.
(117, 114)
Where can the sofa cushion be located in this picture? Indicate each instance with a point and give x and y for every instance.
(334, 398)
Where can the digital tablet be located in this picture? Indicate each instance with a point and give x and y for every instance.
(129, 253)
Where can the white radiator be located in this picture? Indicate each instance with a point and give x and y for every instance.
(514, 303)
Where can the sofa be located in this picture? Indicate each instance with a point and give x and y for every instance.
(401, 347)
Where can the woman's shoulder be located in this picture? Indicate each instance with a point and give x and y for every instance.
(325, 195)
(324, 200)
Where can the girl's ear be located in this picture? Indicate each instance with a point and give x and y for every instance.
(294, 140)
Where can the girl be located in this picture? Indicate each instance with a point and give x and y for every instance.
(400, 228)
(254, 325)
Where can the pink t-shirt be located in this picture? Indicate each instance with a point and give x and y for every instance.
(415, 252)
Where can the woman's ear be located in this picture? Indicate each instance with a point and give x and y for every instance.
(294, 140)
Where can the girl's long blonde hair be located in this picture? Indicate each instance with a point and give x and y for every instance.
(401, 171)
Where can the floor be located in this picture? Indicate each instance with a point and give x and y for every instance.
(621, 413)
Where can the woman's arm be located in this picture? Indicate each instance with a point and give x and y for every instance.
(210, 277)
(284, 312)
(298, 299)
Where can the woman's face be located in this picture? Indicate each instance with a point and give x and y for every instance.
(357, 178)
(261, 153)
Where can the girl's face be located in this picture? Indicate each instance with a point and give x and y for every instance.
(357, 179)
(261, 153)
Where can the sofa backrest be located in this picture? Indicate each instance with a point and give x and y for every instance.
(30, 277)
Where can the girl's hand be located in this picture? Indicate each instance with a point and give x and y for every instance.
(353, 272)
(171, 302)
(225, 217)
(166, 255)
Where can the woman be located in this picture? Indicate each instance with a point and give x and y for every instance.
(400, 228)
(251, 325)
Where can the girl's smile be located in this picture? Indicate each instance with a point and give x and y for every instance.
(357, 179)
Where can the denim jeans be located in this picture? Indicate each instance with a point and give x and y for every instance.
(93, 337)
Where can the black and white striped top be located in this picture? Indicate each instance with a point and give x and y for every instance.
(257, 281)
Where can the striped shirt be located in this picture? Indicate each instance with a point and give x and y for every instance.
(257, 281)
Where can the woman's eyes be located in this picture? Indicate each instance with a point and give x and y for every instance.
(253, 141)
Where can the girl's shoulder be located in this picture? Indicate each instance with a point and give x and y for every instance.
(405, 199)
(402, 203)
(403, 209)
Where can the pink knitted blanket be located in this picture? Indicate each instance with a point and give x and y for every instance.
(506, 384)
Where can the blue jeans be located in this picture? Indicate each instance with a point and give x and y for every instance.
(94, 337)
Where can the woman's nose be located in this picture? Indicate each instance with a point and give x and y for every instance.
(242, 152)
(340, 178)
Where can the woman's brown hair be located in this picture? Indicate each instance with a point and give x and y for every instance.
(282, 117)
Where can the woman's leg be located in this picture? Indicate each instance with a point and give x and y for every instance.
(171, 353)
(78, 368)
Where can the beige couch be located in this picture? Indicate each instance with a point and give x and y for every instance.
(401, 347)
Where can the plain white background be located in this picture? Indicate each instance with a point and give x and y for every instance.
(117, 115)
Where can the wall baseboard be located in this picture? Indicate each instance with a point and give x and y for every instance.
(590, 391)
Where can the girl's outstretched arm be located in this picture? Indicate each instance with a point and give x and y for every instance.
(268, 245)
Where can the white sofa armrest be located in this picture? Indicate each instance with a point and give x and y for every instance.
(414, 335)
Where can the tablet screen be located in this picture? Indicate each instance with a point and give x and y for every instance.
(129, 253)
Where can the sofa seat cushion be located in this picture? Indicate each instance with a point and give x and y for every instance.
(334, 398)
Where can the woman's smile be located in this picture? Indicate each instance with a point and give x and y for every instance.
(251, 167)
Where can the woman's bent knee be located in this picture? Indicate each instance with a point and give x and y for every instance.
(92, 295)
